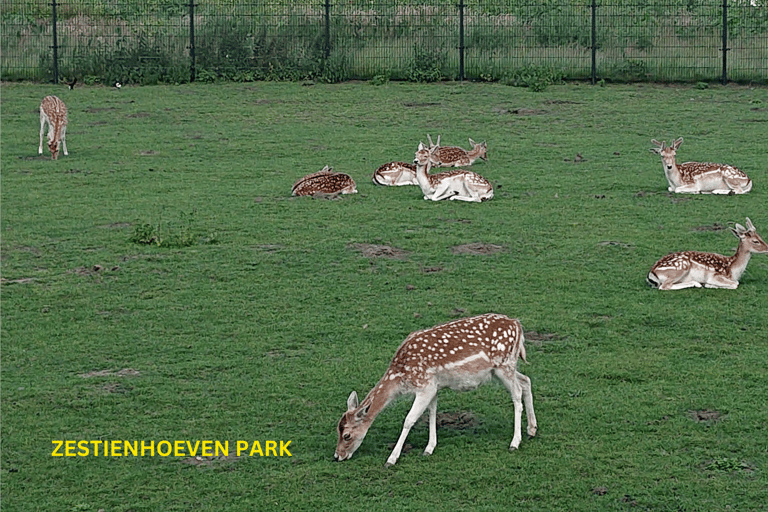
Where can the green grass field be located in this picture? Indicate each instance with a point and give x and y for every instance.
(258, 313)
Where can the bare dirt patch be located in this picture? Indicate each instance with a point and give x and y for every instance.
(477, 248)
(432, 270)
(614, 243)
(94, 270)
(542, 336)
(21, 280)
(125, 372)
(147, 152)
(714, 227)
(462, 420)
(379, 251)
(139, 114)
(706, 415)
(427, 104)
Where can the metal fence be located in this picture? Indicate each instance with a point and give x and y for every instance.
(150, 41)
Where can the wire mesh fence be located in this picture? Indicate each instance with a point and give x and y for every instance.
(150, 41)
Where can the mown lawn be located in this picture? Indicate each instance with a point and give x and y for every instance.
(259, 313)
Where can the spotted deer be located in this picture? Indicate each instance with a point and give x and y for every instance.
(453, 156)
(699, 177)
(460, 355)
(395, 174)
(458, 185)
(54, 112)
(696, 269)
(324, 182)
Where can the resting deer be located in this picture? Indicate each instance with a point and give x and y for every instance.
(459, 185)
(698, 177)
(324, 182)
(395, 174)
(453, 156)
(460, 355)
(696, 269)
(54, 112)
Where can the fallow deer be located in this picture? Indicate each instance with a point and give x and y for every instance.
(324, 182)
(699, 177)
(395, 174)
(54, 112)
(453, 156)
(461, 355)
(696, 269)
(458, 185)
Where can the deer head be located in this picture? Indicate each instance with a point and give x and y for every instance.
(352, 428)
(482, 147)
(667, 153)
(750, 238)
(53, 145)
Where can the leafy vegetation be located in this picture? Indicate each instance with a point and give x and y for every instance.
(148, 42)
(645, 400)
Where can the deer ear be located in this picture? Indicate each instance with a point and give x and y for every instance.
(655, 151)
(362, 413)
(738, 230)
(471, 142)
(352, 402)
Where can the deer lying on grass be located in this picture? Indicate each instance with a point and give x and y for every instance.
(698, 177)
(459, 185)
(324, 182)
(395, 174)
(696, 269)
(460, 355)
(453, 156)
(54, 112)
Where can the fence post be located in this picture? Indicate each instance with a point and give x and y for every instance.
(55, 45)
(461, 40)
(724, 78)
(192, 71)
(327, 30)
(594, 42)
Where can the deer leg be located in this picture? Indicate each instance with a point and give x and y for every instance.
(432, 407)
(687, 189)
(443, 191)
(420, 403)
(674, 285)
(721, 282)
(525, 383)
(515, 387)
(64, 139)
(42, 131)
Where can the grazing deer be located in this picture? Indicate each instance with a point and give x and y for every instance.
(453, 156)
(54, 112)
(395, 174)
(698, 177)
(460, 355)
(696, 269)
(459, 185)
(324, 182)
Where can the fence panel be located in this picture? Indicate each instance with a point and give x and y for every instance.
(149, 41)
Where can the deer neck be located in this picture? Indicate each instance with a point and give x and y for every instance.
(474, 153)
(739, 261)
(378, 398)
(422, 176)
(673, 174)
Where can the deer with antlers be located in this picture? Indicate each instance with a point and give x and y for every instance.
(395, 174)
(461, 355)
(699, 177)
(458, 185)
(324, 182)
(454, 156)
(696, 269)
